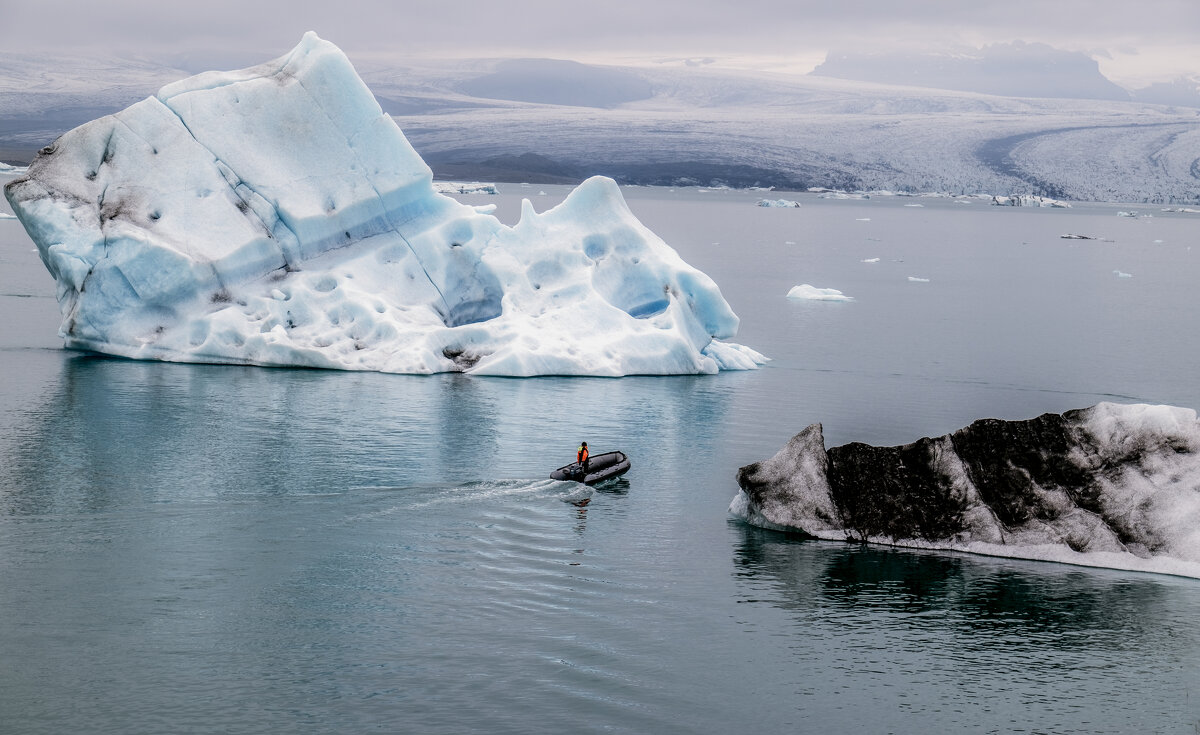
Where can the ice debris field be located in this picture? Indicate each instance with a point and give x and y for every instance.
(276, 216)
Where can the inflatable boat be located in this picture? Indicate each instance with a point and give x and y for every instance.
(601, 467)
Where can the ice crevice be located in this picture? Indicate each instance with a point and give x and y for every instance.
(224, 168)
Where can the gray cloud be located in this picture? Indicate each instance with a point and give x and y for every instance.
(266, 28)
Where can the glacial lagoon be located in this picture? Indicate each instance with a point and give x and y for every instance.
(192, 548)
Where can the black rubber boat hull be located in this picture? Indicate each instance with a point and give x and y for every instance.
(601, 467)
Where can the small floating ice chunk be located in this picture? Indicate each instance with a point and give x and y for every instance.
(1123, 274)
(914, 205)
(862, 219)
(7, 216)
(793, 242)
(778, 203)
(1073, 236)
(812, 293)
(915, 279)
(870, 260)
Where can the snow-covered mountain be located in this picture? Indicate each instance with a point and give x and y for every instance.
(702, 125)
(1009, 69)
(1183, 92)
(44, 95)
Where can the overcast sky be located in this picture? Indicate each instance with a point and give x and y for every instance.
(1134, 42)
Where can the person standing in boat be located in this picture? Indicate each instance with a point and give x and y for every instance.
(582, 457)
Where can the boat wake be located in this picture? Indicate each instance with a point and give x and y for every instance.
(484, 492)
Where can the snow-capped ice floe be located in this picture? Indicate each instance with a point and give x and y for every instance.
(1109, 486)
(7, 169)
(1028, 200)
(6, 215)
(917, 279)
(276, 216)
(812, 293)
(870, 260)
(464, 187)
(778, 203)
(1122, 274)
(825, 194)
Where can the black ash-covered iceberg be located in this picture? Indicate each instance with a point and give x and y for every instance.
(1111, 485)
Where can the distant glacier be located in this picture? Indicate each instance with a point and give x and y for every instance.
(548, 121)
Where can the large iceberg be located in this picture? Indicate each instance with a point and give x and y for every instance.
(1111, 485)
(276, 216)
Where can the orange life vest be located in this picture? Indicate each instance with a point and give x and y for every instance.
(583, 454)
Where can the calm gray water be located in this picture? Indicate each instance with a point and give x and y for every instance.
(196, 549)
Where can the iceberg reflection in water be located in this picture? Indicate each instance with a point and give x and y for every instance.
(1024, 642)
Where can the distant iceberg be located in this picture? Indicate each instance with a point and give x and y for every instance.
(779, 203)
(1028, 200)
(460, 187)
(833, 194)
(812, 293)
(1111, 486)
(276, 216)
